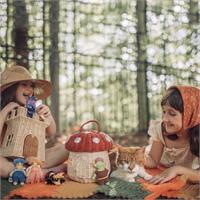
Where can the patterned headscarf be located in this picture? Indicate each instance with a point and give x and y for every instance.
(191, 105)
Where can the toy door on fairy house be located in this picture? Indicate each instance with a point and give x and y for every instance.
(24, 136)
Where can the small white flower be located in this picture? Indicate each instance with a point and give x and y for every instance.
(77, 140)
(96, 140)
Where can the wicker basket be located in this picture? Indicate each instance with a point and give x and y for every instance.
(81, 165)
(24, 136)
(86, 148)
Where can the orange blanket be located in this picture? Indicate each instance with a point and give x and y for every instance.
(69, 189)
(170, 189)
(72, 189)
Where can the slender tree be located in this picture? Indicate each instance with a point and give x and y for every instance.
(193, 16)
(193, 13)
(143, 110)
(20, 33)
(54, 60)
(74, 64)
(45, 26)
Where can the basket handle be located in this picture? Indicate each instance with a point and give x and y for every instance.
(91, 121)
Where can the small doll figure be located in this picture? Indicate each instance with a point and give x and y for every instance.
(101, 173)
(31, 107)
(34, 172)
(18, 175)
(54, 178)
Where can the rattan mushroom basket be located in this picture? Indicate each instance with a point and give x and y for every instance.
(88, 155)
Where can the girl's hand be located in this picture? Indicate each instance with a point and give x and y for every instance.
(165, 176)
(43, 111)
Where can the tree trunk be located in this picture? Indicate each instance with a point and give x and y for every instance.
(54, 61)
(20, 33)
(45, 15)
(193, 14)
(74, 63)
(143, 110)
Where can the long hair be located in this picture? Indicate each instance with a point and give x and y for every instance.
(8, 95)
(194, 134)
(172, 98)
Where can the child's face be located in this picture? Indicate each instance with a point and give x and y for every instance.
(172, 119)
(24, 90)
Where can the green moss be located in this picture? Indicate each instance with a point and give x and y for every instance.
(120, 188)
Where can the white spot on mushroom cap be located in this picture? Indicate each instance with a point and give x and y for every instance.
(77, 140)
(96, 140)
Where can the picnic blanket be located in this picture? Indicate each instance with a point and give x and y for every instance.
(169, 189)
(69, 189)
(176, 188)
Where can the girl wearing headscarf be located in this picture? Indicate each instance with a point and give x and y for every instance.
(175, 139)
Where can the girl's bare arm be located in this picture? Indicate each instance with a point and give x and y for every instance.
(154, 156)
(44, 112)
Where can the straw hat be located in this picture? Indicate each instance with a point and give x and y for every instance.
(16, 73)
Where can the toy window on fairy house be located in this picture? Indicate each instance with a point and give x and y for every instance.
(25, 134)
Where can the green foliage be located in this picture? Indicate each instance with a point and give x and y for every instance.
(120, 188)
(97, 47)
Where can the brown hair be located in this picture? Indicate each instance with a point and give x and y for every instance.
(174, 99)
(8, 95)
(194, 134)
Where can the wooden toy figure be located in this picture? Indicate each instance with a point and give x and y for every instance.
(18, 175)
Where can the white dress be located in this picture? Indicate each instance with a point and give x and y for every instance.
(171, 156)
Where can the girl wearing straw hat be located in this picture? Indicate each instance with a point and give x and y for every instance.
(16, 87)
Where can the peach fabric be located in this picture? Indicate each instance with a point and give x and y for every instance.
(170, 189)
(191, 105)
(171, 156)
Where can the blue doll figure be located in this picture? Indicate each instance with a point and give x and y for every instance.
(30, 105)
(18, 175)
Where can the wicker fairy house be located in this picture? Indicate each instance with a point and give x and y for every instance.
(24, 136)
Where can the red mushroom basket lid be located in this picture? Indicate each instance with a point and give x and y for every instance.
(89, 141)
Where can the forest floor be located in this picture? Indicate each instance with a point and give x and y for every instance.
(139, 139)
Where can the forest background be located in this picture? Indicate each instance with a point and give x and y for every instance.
(109, 60)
